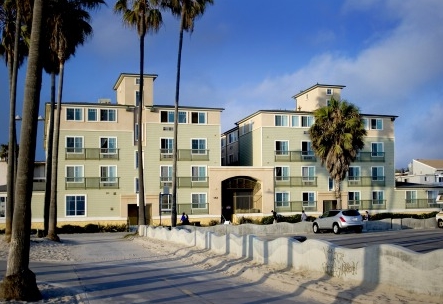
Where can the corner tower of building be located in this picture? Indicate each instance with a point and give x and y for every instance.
(127, 88)
(316, 96)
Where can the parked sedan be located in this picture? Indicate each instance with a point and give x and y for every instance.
(338, 220)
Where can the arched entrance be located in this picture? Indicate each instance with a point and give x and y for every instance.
(240, 194)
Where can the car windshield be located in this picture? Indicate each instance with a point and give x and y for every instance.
(333, 212)
(351, 213)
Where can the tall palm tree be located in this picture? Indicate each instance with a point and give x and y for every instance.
(188, 11)
(337, 136)
(68, 23)
(144, 16)
(14, 50)
(19, 282)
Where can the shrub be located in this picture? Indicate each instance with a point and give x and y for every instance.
(213, 222)
(245, 220)
(92, 228)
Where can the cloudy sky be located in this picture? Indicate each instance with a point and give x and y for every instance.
(250, 55)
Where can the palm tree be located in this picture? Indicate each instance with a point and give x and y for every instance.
(188, 10)
(337, 136)
(145, 17)
(14, 50)
(68, 23)
(19, 282)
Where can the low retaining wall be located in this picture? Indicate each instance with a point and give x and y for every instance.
(378, 264)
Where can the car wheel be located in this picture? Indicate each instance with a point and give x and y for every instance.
(315, 228)
(359, 229)
(336, 229)
(440, 223)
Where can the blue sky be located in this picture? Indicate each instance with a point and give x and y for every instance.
(253, 54)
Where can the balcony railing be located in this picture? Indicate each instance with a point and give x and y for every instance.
(366, 181)
(39, 185)
(295, 181)
(185, 154)
(72, 183)
(370, 157)
(295, 206)
(294, 156)
(186, 182)
(190, 209)
(421, 203)
(91, 153)
(372, 204)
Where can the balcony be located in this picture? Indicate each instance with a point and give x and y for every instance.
(190, 209)
(366, 181)
(370, 157)
(39, 184)
(295, 181)
(91, 154)
(186, 182)
(372, 204)
(73, 183)
(295, 206)
(421, 203)
(294, 156)
(185, 155)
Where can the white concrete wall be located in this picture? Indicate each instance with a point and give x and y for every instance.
(378, 264)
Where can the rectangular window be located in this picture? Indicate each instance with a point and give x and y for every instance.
(137, 81)
(377, 149)
(2, 206)
(365, 123)
(75, 205)
(74, 174)
(108, 145)
(198, 173)
(108, 175)
(377, 198)
(223, 141)
(167, 116)
(182, 117)
(353, 198)
(329, 91)
(308, 199)
(74, 144)
(136, 132)
(378, 173)
(92, 114)
(166, 147)
(108, 115)
(331, 184)
(306, 150)
(198, 200)
(198, 146)
(411, 196)
(136, 185)
(282, 147)
(307, 121)
(295, 121)
(137, 98)
(198, 117)
(308, 174)
(282, 173)
(354, 174)
(282, 199)
(232, 137)
(166, 175)
(376, 124)
(281, 120)
(74, 114)
(136, 158)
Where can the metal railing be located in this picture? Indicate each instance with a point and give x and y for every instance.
(370, 157)
(295, 206)
(185, 154)
(186, 182)
(91, 153)
(92, 183)
(294, 156)
(366, 181)
(421, 203)
(373, 204)
(192, 209)
(295, 181)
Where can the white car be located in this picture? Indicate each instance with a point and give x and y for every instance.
(439, 219)
(338, 220)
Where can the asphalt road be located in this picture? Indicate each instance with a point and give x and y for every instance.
(418, 240)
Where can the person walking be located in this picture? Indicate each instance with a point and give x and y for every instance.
(304, 217)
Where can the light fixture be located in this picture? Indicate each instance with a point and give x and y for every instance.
(18, 117)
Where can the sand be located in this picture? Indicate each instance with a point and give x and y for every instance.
(323, 287)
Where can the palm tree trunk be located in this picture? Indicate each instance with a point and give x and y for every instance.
(20, 282)
(141, 182)
(175, 147)
(338, 192)
(49, 144)
(52, 222)
(12, 146)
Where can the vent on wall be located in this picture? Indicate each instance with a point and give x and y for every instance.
(104, 100)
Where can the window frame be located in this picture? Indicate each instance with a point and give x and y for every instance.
(282, 173)
(377, 197)
(281, 120)
(310, 201)
(77, 211)
(92, 111)
(281, 144)
(282, 198)
(77, 111)
(75, 149)
(78, 173)
(108, 116)
(198, 117)
(199, 171)
(108, 150)
(375, 124)
(199, 204)
(199, 150)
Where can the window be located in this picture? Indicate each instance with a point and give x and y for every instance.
(167, 116)
(136, 132)
(282, 173)
(306, 150)
(137, 98)
(331, 184)
(232, 137)
(307, 121)
(329, 91)
(136, 185)
(92, 114)
(198, 200)
(107, 115)
(166, 147)
(431, 194)
(108, 145)
(182, 117)
(166, 175)
(137, 81)
(282, 199)
(308, 199)
(198, 173)
(74, 174)
(75, 114)
(108, 175)
(328, 102)
(354, 174)
(308, 174)
(2, 206)
(198, 117)
(75, 205)
(411, 196)
(223, 141)
(281, 120)
(295, 121)
(377, 198)
(74, 144)
(377, 149)
(198, 146)
(378, 173)
(353, 198)
(376, 124)
(282, 147)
